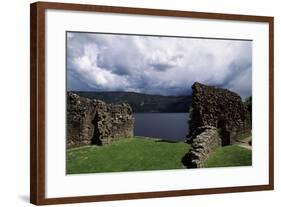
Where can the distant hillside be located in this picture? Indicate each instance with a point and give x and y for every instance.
(142, 102)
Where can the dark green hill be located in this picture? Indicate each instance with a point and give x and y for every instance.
(142, 102)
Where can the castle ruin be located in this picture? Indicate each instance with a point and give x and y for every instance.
(217, 117)
(95, 122)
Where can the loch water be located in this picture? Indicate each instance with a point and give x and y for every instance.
(166, 126)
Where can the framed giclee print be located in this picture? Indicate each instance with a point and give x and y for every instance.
(131, 103)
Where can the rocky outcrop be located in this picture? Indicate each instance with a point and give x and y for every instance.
(217, 117)
(206, 140)
(95, 122)
(220, 108)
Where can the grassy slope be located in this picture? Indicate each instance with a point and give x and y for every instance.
(231, 155)
(127, 155)
(243, 136)
(147, 154)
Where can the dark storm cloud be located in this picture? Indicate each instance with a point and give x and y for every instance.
(156, 65)
(160, 66)
(118, 67)
(74, 81)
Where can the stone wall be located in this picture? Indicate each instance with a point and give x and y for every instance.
(217, 116)
(220, 108)
(95, 122)
(206, 140)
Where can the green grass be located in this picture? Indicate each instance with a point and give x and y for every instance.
(131, 154)
(231, 155)
(135, 154)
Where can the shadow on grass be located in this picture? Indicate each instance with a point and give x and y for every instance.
(167, 141)
(186, 160)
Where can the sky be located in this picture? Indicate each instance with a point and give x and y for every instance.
(156, 65)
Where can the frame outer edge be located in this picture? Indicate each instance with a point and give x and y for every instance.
(271, 103)
(153, 12)
(37, 104)
(33, 103)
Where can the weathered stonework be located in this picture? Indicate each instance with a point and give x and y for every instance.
(217, 116)
(220, 108)
(95, 122)
(206, 140)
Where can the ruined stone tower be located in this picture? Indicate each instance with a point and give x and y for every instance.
(217, 116)
(220, 108)
(95, 122)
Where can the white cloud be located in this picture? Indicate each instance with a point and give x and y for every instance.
(161, 65)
